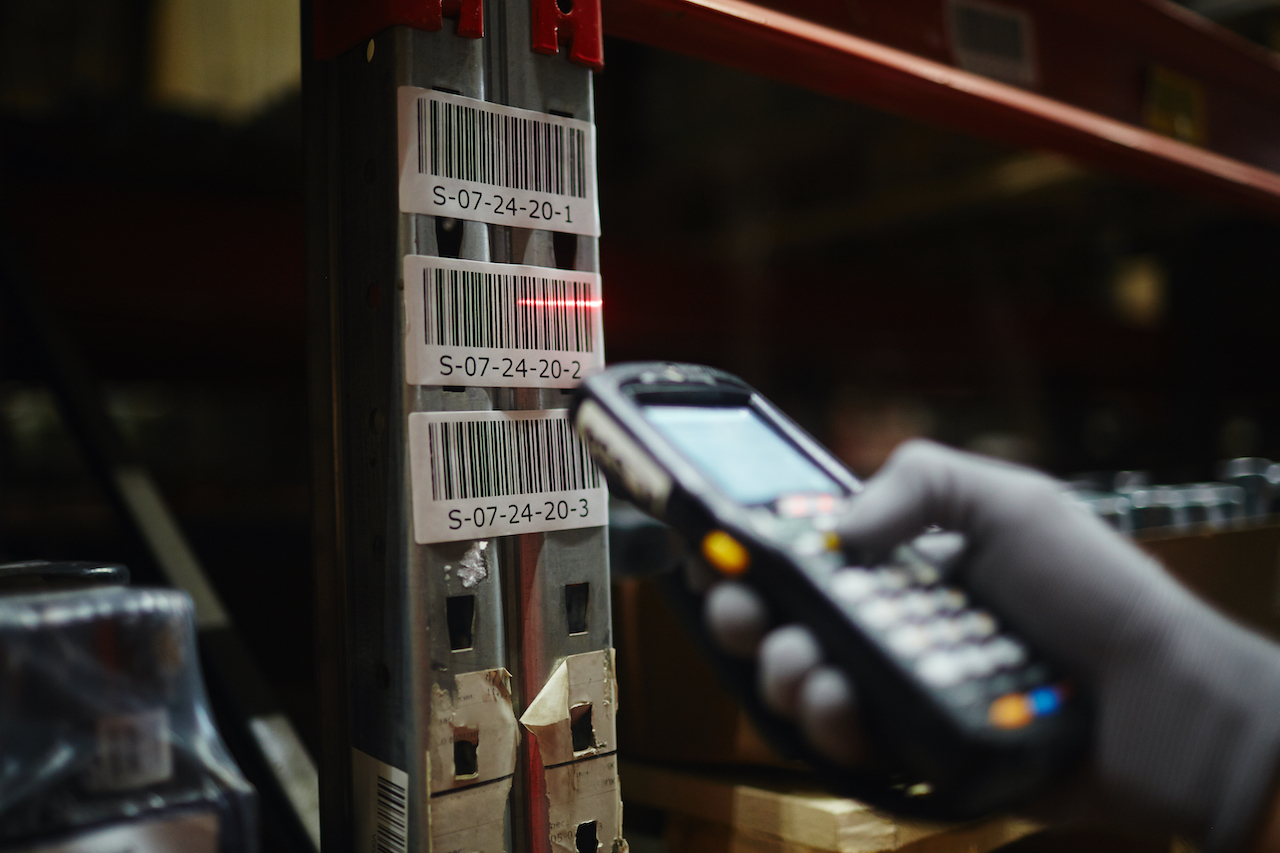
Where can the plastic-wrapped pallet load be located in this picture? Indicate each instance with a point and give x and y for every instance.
(1130, 503)
(1260, 480)
(106, 741)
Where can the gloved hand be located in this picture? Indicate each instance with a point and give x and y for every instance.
(1187, 717)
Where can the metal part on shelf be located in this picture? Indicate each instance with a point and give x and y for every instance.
(1260, 480)
(1128, 502)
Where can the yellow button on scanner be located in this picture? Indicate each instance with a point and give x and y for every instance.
(1011, 711)
(725, 553)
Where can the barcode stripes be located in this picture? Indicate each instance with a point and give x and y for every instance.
(484, 459)
(484, 309)
(391, 835)
(475, 144)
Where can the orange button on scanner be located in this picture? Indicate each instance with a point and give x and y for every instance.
(725, 553)
(1011, 711)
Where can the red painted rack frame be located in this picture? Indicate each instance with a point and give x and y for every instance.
(1126, 37)
(1094, 63)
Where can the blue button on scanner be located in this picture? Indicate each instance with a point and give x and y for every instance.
(1045, 700)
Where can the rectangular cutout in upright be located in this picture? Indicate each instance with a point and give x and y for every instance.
(460, 616)
(581, 729)
(586, 838)
(466, 761)
(576, 598)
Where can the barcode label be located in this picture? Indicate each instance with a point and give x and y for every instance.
(472, 323)
(994, 41)
(470, 159)
(481, 474)
(382, 813)
(392, 834)
(133, 751)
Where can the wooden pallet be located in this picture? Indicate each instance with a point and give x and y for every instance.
(769, 813)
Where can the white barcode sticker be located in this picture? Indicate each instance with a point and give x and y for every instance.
(381, 805)
(472, 323)
(132, 751)
(480, 474)
(470, 159)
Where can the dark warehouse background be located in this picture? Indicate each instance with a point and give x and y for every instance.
(878, 277)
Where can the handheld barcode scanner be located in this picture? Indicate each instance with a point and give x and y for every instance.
(963, 716)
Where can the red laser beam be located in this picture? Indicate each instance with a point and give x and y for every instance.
(561, 303)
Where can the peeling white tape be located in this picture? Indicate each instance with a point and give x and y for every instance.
(582, 684)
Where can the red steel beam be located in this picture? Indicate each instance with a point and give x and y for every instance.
(823, 59)
(1099, 55)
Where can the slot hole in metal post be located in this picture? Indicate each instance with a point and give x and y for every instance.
(448, 237)
(576, 597)
(584, 736)
(460, 617)
(565, 248)
(586, 838)
(466, 763)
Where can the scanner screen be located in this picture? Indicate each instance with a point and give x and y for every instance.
(738, 451)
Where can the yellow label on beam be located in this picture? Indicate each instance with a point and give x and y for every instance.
(1175, 105)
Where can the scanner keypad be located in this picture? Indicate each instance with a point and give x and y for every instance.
(930, 628)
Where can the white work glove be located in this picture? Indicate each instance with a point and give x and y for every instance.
(1186, 729)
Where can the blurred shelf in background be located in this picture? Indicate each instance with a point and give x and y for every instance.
(982, 259)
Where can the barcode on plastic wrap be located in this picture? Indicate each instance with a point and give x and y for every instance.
(472, 323)
(480, 474)
(465, 158)
(392, 832)
(993, 40)
(132, 751)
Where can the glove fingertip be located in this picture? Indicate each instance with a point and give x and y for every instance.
(787, 655)
(827, 709)
(736, 617)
